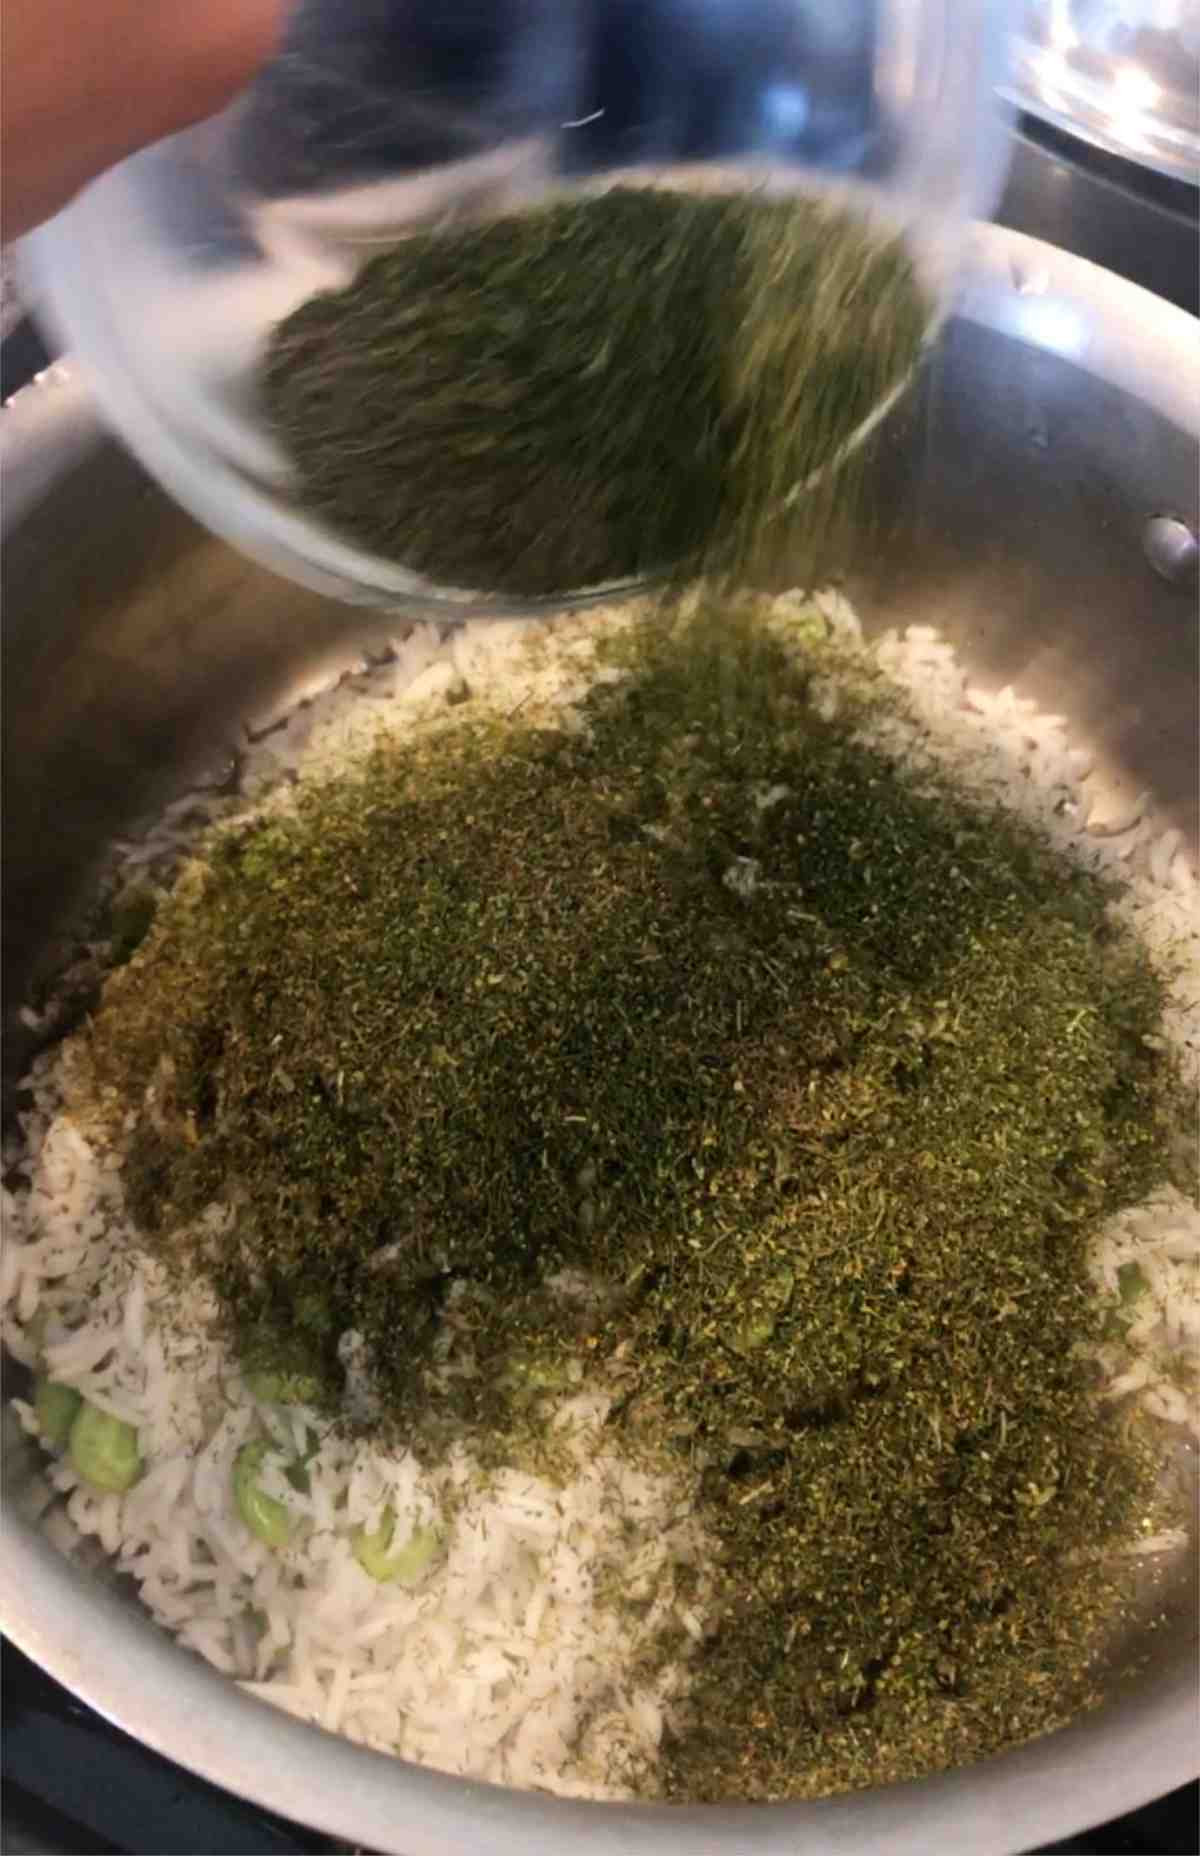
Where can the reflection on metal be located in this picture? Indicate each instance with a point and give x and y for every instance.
(1050, 323)
(1124, 74)
(1103, 207)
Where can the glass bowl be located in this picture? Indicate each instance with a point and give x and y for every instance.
(379, 118)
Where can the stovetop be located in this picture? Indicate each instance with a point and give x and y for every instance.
(73, 1785)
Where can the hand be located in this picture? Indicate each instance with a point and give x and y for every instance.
(85, 82)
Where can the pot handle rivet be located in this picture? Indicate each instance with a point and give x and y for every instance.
(1170, 547)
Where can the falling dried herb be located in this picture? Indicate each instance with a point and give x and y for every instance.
(594, 390)
(823, 1073)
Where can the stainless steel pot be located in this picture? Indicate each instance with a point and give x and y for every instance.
(1124, 74)
(1042, 496)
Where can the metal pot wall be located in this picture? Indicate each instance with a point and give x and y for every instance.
(1042, 495)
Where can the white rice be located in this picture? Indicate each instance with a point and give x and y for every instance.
(505, 1663)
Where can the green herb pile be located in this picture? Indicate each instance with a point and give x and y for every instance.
(824, 1071)
(594, 390)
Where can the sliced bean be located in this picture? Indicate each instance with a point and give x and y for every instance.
(751, 1333)
(104, 1450)
(530, 1377)
(283, 1386)
(408, 1564)
(56, 1406)
(267, 1519)
(758, 1327)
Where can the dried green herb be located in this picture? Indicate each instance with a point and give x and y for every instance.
(594, 390)
(823, 1072)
